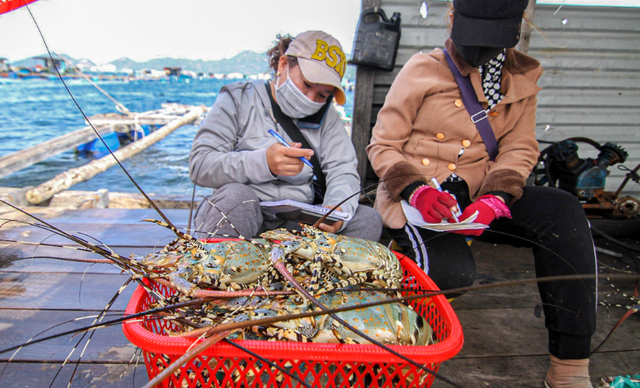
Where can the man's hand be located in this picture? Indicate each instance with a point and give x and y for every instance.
(284, 160)
(331, 228)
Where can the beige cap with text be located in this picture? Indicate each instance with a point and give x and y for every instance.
(321, 60)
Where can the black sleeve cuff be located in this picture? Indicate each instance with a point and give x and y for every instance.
(406, 193)
(507, 197)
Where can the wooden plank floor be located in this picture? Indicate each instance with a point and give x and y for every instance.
(37, 294)
(505, 339)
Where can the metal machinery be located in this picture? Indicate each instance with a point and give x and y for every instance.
(560, 166)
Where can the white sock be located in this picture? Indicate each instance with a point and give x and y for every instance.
(568, 373)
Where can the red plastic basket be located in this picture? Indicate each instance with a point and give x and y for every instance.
(318, 364)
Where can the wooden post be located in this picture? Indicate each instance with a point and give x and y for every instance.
(25, 158)
(89, 170)
(525, 33)
(363, 99)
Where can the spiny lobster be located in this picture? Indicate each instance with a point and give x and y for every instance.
(320, 261)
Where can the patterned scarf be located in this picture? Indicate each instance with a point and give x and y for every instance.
(491, 76)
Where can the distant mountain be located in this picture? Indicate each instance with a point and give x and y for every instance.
(247, 62)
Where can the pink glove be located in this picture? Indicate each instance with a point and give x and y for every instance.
(489, 207)
(434, 205)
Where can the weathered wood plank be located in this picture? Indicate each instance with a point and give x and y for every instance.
(523, 296)
(360, 124)
(552, 59)
(549, 17)
(589, 79)
(90, 292)
(602, 99)
(604, 41)
(574, 116)
(23, 258)
(94, 216)
(136, 200)
(117, 234)
(113, 375)
(116, 216)
(527, 371)
(509, 332)
(27, 157)
(527, 296)
(18, 326)
(525, 35)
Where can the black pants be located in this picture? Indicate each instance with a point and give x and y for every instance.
(551, 222)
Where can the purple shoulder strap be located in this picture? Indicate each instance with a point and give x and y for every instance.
(477, 113)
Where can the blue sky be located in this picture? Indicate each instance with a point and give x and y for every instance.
(105, 30)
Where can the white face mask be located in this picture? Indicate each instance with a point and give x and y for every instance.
(293, 102)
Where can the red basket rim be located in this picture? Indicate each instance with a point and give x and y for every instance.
(443, 350)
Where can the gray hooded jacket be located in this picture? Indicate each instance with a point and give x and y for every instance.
(231, 144)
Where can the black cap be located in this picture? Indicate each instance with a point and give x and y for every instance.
(490, 23)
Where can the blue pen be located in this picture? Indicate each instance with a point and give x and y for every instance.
(454, 209)
(284, 143)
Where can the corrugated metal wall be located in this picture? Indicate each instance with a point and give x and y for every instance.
(591, 83)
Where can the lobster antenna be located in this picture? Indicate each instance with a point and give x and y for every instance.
(265, 321)
(97, 319)
(364, 191)
(193, 193)
(151, 203)
(225, 219)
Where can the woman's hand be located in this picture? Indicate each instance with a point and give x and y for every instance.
(331, 228)
(485, 216)
(434, 205)
(489, 207)
(285, 160)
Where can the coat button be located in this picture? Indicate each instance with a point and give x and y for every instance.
(425, 162)
(493, 113)
(466, 143)
(458, 103)
(440, 136)
(451, 167)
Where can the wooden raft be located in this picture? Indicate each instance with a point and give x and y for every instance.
(103, 123)
(505, 343)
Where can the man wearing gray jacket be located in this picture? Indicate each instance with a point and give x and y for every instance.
(235, 155)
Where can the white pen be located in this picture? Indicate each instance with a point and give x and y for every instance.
(454, 209)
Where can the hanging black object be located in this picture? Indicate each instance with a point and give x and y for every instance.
(377, 39)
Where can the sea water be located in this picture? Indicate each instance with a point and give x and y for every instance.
(33, 111)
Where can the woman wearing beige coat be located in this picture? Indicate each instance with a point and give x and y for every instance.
(424, 131)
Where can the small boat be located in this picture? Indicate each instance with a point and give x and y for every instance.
(97, 148)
